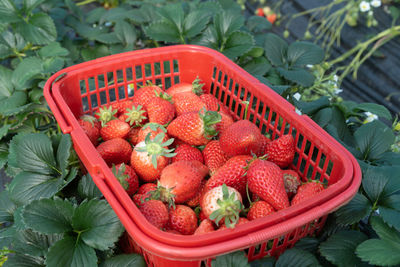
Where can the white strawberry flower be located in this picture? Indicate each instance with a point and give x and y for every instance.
(370, 117)
(376, 3)
(364, 6)
(297, 96)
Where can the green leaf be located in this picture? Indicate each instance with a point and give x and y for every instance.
(34, 153)
(100, 226)
(21, 260)
(323, 116)
(226, 23)
(275, 49)
(298, 75)
(379, 110)
(7, 207)
(124, 260)
(195, 22)
(63, 153)
(28, 69)
(163, 31)
(30, 5)
(7, 235)
(53, 49)
(308, 243)
(95, 52)
(19, 222)
(237, 44)
(28, 186)
(303, 53)
(258, 24)
(8, 11)
(107, 38)
(5, 51)
(87, 188)
(391, 215)
(49, 216)
(125, 32)
(256, 51)
(384, 231)
(53, 64)
(311, 107)
(357, 209)
(258, 66)
(373, 139)
(33, 243)
(234, 259)
(95, 15)
(14, 104)
(70, 252)
(114, 15)
(340, 248)
(374, 183)
(174, 15)
(39, 29)
(209, 38)
(379, 252)
(263, 262)
(296, 257)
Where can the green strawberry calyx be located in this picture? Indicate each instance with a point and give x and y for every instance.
(210, 119)
(106, 114)
(156, 148)
(120, 175)
(197, 86)
(229, 208)
(164, 194)
(135, 115)
(89, 118)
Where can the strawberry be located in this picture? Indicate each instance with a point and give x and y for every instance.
(214, 157)
(160, 109)
(195, 201)
(307, 191)
(136, 115)
(281, 150)
(206, 226)
(154, 129)
(150, 157)
(240, 138)
(143, 193)
(122, 106)
(105, 114)
(194, 87)
(127, 177)
(143, 95)
(226, 121)
(213, 104)
(187, 152)
(132, 136)
(292, 181)
(115, 151)
(240, 221)
(146, 188)
(91, 127)
(182, 219)
(139, 199)
(114, 129)
(222, 203)
(180, 181)
(259, 209)
(155, 212)
(262, 151)
(265, 179)
(195, 128)
(187, 102)
(232, 173)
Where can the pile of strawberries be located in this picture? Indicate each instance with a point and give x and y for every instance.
(189, 166)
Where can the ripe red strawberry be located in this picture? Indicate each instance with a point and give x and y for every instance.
(180, 181)
(262, 151)
(259, 209)
(195, 201)
(222, 204)
(127, 177)
(265, 179)
(91, 127)
(194, 87)
(146, 188)
(122, 106)
(136, 115)
(182, 219)
(281, 151)
(187, 102)
(144, 94)
(155, 212)
(115, 151)
(143, 193)
(114, 129)
(154, 129)
(292, 181)
(105, 114)
(307, 191)
(187, 152)
(240, 138)
(240, 221)
(150, 157)
(139, 199)
(195, 128)
(206, 226)
(160, 109)
(232, 173)
(213, 104)
(226, 121)
(214, 157)
(132, 136)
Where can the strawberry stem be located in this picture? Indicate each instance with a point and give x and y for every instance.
(197, 87)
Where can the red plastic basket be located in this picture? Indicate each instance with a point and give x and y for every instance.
(85, 87)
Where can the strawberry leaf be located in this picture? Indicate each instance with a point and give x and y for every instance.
(357, 209)
(87, 188)
(23, 260)
(97, 224)
(234, 259)
(297, 257)
(124, 260)
(7, 207)
(32, 243)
